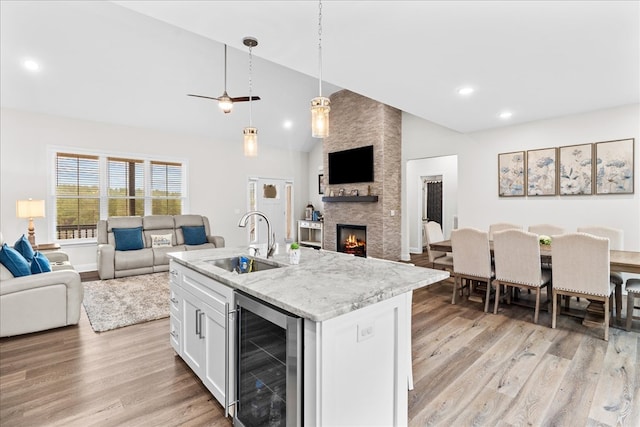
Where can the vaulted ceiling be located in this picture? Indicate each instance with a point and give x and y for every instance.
(133, 62)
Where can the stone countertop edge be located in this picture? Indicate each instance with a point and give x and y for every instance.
(324, 285)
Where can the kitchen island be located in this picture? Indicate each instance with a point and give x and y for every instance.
(356, 327)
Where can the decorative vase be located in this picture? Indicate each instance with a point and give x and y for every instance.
(294, 256)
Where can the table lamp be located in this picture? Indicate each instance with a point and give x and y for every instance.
(30, 209)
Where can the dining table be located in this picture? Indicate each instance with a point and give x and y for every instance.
(619, 261)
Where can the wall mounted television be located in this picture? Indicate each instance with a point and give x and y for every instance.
(350, 166)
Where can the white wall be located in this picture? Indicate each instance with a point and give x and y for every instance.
(218, 171)
(478, 201)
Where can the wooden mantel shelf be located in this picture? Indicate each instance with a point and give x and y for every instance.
(361, 199)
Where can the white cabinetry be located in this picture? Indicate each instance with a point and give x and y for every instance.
(310, 233)
(203, 328)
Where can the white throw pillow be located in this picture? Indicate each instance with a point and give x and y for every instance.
(161, 240)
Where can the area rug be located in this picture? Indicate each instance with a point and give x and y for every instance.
(115, 303)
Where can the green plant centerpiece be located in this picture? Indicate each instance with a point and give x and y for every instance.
(544, 239)
(294, 253)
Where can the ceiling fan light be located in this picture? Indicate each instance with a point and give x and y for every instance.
(250, 141)
(225, 104)
(320, 107)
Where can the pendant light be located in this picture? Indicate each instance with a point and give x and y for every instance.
(250, 133)
(320, 105)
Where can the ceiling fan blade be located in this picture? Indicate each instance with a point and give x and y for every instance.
(202, 96)
(245, 99)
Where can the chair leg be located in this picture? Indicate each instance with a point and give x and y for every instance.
(554, 304)
(607, 313)
(537, 310)
(486, 301)
(495, 304)
(630, 304)
(455, 289)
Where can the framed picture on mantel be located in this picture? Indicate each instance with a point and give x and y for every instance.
(321, 184)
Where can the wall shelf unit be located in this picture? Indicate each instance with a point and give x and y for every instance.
(310, 233)
(357, 199)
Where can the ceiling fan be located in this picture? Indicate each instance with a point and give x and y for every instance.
(225, 102)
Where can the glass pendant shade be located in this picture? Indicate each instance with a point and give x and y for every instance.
(225, 103)
(320, 107)
(250, 141)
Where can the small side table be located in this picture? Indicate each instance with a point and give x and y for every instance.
(44, 247)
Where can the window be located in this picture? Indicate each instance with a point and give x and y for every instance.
(89, 187)
(77, 195)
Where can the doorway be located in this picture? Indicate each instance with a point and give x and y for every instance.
(274, 198)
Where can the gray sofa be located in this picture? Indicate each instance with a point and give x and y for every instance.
(117, 263)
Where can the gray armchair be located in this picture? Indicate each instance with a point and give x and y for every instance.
(40, 301)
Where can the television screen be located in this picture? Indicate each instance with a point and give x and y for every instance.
(349, 166)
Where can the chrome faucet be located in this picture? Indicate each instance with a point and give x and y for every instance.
(271, 237)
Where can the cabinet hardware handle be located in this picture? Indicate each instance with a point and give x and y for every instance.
(173, 334)
(201, 314)
(198, 322)
(174, 300)
(174, 273)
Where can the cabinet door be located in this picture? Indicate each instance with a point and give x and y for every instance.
(215, 361)
(192, 341)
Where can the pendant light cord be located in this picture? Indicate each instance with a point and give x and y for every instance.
(320, 46)
(250, 83)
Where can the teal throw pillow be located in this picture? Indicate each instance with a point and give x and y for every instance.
(15, 263)
(24, 248)
(128, 239)
(40, 264)
(194, 235)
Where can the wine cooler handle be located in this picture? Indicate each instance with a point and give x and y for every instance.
(198, 322)
(226, 359)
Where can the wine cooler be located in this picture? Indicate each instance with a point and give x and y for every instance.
(269, 365)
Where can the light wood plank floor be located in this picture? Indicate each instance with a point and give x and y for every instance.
(470, 368)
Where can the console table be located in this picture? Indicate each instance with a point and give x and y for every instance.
(310, 233)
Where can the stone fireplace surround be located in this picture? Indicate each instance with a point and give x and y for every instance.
(358, 121)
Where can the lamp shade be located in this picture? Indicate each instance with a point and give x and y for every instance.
(30, 208)
(250, 141)
(320, 107)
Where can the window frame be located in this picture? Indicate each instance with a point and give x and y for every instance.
(103, 158)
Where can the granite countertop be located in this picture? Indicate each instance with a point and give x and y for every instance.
(324, 285)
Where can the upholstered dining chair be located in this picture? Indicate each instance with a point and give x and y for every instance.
(500, 226)
(517, 264)
(546, 229)
(581, 268)
(616, 243)
(471, 261)
(633, 293)
(439, 260)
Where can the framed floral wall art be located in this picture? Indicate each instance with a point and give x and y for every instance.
(575, 169)
(614, 167)
(511, 174)
(541, 172)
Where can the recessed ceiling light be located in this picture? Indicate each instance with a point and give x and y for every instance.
(31, 65)
(467, 90)
(288, 124)
(505, 115)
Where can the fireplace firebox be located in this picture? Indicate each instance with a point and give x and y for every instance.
(352, 239)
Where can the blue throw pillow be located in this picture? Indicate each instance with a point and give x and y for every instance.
(15, 263)
(23, 246)
(194, 235)
(40, 264)
(128, 239)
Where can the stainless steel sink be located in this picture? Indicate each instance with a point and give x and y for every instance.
(232, 264)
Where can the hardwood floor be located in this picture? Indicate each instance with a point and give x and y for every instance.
(470, 368)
